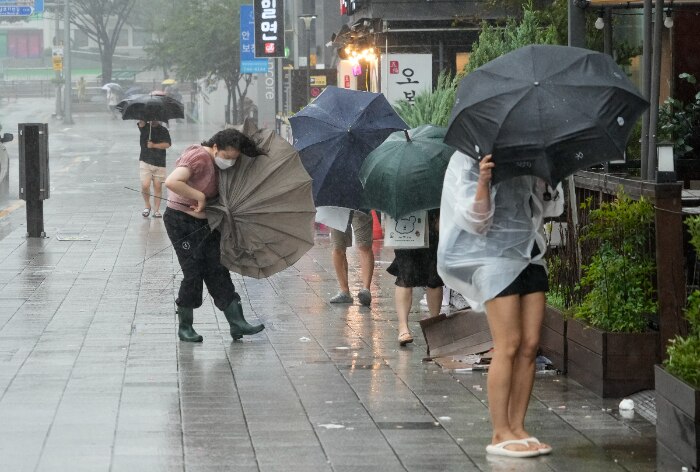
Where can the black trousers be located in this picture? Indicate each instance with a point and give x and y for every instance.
(197, 249)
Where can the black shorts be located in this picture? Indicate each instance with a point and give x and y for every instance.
(532, 279)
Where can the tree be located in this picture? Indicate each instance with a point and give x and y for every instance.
(102, 20)
(495, 41)
(153, 16)
(201, 37)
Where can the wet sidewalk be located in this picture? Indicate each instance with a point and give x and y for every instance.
(93, 378)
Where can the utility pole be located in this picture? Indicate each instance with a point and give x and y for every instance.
(67, 117)
(307, 19)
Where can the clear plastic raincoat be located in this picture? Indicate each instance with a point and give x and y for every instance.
(480, 254)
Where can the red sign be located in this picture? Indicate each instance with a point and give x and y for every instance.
(269, 48)
(315, 91)
(346, 81)
(393, 67)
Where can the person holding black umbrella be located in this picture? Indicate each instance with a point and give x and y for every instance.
(155, 139)
(194, 181)
(490, 250)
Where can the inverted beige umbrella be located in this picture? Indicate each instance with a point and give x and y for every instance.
(265, 212)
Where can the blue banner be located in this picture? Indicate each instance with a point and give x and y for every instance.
(20, 7)
(249, 63)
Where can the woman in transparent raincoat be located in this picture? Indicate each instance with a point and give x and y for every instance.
(490, 250)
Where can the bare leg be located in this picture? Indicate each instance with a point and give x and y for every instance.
(403, 297)
(503, 315)
(434, 297)
(146, 190)
(340, 263)
(366, 265)
(157, 192)
(532, 313)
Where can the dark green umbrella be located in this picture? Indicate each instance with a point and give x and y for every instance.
(405, 173)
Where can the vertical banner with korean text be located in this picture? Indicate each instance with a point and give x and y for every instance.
(408, 75)
(269, 28)
(249, 64)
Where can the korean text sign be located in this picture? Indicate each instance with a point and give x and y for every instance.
(249, 64)
(269, 28)
(406, 76)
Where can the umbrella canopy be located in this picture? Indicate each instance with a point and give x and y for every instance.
(151, 108)
(546, 111)
(135, 90)
(112, 85)
(334, 134)
(405, 173)
(265, 212)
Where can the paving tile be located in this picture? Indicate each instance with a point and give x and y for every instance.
(92, 376)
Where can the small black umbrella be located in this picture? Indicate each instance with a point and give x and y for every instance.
(151, 108)
(334, 134)
(545, 110)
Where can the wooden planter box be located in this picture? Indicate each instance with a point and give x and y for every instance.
(553, 342)
(677, 428)
(611, 364)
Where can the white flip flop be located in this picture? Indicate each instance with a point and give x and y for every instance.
(542, 450)
(500, 449)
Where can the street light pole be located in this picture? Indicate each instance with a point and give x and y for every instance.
(67, 117)
(307, 19)
(57, 43)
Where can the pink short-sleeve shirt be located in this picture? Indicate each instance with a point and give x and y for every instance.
(203, 176)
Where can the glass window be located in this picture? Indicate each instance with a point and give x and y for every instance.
(80, 39)
(141, 37)
(123, 39)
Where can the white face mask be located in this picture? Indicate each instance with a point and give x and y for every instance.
(224, 164)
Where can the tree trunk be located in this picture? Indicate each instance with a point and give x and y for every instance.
(106, 56)
(234, 104)
(229, 115)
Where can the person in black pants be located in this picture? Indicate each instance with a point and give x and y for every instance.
(155, 139)
(194, 180)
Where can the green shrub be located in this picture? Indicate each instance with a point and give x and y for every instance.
(431, 108)
(494, 41)
(683, 359)
(618, 280)
(678, 120)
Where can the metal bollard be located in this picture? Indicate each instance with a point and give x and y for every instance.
(34, 174)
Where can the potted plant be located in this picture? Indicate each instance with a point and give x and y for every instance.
(678, 387)
(678, 121)
(611, 351)
(553, 332)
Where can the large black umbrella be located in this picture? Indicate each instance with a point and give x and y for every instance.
(334, 134)
(151, 108)
(545, 110)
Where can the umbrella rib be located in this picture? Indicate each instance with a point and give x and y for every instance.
(314, 118)
(591, 118)
(507, 115)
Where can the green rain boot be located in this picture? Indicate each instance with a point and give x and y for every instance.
(185, 331)
(239, 326)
